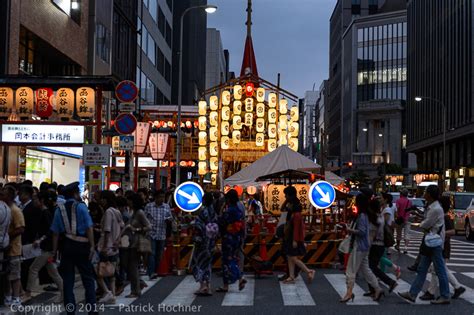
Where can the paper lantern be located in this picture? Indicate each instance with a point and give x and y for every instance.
(213, 133)
(236, 136)
(213, 117)
(283, 138)
(24, 101)
(283, 126)
(202, 168)
(294, 129)
(65, 103)
(213, 102)
(202, 123)
(293, 144)
(237, 122)
(202, 137)
(272, 100)
(249, 88)
(283, 106)
(213, 149)
(272, 115)
(202, 153)
(225, 143)
(6, 102)
(237, 92)
(272, 145)
(214, 164)
(225, 98)
(237, 110)
(272, 130)
(249, 119)
(260, 125)
(202, 105)
(225, 113)
(214, 179)
(249, 104)
(251, 190)
(259, 140)
(158, 144)
(85, 100)
(116, 143)
(260, 95)
(294, 113)
(44, 102)
(260, 110)
(225, 128)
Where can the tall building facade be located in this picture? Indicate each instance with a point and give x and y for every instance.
(309, 123)
(440, 71)
(344, 13)
(217, 60)
(320, 123)
(194, 51)
(154, 51)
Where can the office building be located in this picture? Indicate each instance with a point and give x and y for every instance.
(440, 72)
(217, 59)
(308, 125)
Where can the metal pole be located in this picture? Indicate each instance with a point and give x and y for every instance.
(444, 143)
(180, 87)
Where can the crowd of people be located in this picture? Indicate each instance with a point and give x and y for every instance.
(371, 234)
(115, 238)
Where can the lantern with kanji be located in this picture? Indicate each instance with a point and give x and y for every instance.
(65, 103)
(85, 102)
(24, 101)
(260, 95)
(44, 102)
(237, 110)
(225, 98)
(202, 108)
(6, 102)
(236, 136)
(213, 102)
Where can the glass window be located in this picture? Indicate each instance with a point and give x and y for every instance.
(160, 61)
(400, 50)
(167, 71)
(161, 21)
(170, 4)
(168, 34)
(151, 49)
(371, 33)
(144, 39)
(152, 8)
(360, 35)
(389, 51)
(404, 50)
(145, 3)
(389, 35)
(376, 33)
(137, 78)
(150, 92)
(139, 26)
(404, 29)
(103, 42)
(143, 86)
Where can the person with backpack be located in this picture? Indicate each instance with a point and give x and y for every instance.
(206, 231)
(108, 245)
(401, 220)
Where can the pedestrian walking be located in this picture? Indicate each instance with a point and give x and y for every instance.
(73, 222)
(108, 246)
(158, 213)
(359, 252)
(402, 224)
(206, 231)
(294, 231)
(430, 293)
(232, 228)
(431, 249)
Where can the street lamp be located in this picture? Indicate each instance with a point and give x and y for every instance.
(208, 9)
(419, 99)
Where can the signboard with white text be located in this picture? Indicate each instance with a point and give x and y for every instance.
(143, 161)
(42, 134)
(96, 154)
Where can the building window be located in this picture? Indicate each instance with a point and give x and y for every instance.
(355, 7)
(71, 7)
(150, 92)
(152, 8)
(160, 61)
(168, 34)
(103, 43)
(139, 26)
(151, 49)
(144, 39)
(161, 21)
(167, 71)
(170, 4)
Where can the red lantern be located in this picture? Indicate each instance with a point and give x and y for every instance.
(239, 190)
(249, 88)
(44, 102)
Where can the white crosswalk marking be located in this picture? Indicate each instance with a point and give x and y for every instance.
(338, 281)
(183, 294)
(468, 274)
(404, 286)
(468, 295)
(240, 298)
(296, 294)
(122, 300)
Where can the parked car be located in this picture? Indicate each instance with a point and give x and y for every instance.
(460, 201)
(417, 210)
(469, 221)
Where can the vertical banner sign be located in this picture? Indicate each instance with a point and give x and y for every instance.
(85, 98)
(24, 101)
(6, 102)
(44, 102)
(274, 197)
(65, 103)
(141, 135)
(158, 145)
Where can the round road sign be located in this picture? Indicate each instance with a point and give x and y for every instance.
(125, 123)
(188, 196)
(126, 91)
(322, 194)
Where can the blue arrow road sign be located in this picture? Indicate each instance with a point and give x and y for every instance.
(322, 194)
(188, 196)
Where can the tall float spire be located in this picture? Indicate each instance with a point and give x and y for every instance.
(249, 64)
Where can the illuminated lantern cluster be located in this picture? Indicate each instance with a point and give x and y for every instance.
(202, 136)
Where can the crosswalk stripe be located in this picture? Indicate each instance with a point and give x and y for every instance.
(240, 298)
(296, 294)
(183, 294)
(404, 286)
(468, 296)
(122, 300)
(449, 264)
(338, 282)
(468, 274)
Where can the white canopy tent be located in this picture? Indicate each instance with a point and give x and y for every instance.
(280, 160)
